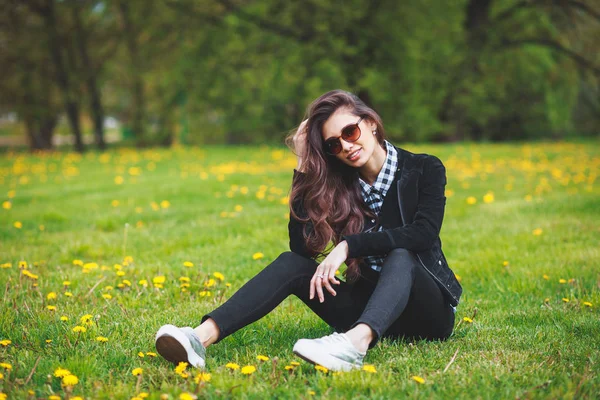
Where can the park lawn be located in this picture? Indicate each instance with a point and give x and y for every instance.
(122, 242)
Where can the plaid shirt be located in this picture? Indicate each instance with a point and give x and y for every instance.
(374, 195)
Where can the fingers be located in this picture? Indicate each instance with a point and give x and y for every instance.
(323, 277)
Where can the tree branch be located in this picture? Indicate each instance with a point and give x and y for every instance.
(559, 3)
(580, 60)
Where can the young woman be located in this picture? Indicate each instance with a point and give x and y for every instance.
(382, 208)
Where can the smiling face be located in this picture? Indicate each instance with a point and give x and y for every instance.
(366, 150)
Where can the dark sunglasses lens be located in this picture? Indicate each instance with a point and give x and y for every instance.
(333, 146)
(351, 133)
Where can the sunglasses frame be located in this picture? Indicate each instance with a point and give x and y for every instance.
(337, 139)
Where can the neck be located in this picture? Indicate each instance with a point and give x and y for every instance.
(371, 169)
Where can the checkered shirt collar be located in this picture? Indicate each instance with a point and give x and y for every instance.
(386, 175)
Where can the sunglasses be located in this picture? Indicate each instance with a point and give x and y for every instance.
(350, 133)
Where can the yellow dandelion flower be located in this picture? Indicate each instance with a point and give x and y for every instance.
(150, 354)
(562, 281)
(53, 397)
(68, 294)
(587, 304)
(295, 363)
(86, 319)
(165, 204)
(70, 380)
(228, 284)
(488, 198)
(5, 366)
(471, 200)
(188, 264)
(289, 367)
(101, 339)
(369, 368)
(22, 264)
(48, 341)
(143, 395)
(248, 369)
(120, 273)
(321, 369)
(78, 262)
(417, 379)
(137, 371)
(66, 283)
(6, 265)
(187, 396)
(232, 366)
(141, 354)
(184, 279)
(18, 224)
(257, 256)
(79, 329)
(205, 293)
(106, 296)
(546, 277)
(219, 276)
(1, 376)
(537, 231)
(566, 299)
(467, 320)
(126, 282)
(547, 300)
(311, 392)
(64, 318)
(119, 180)
(143, 282)
(76, 398)
(6, 205)
(260, 357)
(210, 283)
(61, 372)
(114, 203)
(202, 377)
(238, 208)
(181, 367)
(51, 308)
(159, 280)
(5, 342)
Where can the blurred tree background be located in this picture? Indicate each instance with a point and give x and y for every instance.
(243, 71)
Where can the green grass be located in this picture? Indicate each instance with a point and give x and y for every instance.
(525, 341)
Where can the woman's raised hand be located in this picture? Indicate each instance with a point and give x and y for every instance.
(325, 274)
(300, 140)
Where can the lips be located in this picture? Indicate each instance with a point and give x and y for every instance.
(354, 155)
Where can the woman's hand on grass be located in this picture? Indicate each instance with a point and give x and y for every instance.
(325, 274)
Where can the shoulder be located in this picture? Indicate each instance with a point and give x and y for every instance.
(418, 161)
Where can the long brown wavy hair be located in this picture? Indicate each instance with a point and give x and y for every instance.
(329, 192)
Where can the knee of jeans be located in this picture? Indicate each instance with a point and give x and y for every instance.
(289, 259)
(400, 252)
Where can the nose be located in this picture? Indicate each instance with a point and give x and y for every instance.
(346, 146)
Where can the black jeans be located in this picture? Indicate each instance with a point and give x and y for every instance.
(402, 300)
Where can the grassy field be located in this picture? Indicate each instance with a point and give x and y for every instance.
(98, 251)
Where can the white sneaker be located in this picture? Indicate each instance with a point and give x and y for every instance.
(180, 344)
(334, 352)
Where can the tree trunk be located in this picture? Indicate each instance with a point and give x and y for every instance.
(91, 80)
(71, 105)
(137, 123)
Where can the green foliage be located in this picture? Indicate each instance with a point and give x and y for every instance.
(244, 71)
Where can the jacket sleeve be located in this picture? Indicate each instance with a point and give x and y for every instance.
(417, 236)
(296, 227)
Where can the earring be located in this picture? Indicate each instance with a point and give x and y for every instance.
(374, 132)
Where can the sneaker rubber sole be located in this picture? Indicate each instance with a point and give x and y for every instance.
(174, 346)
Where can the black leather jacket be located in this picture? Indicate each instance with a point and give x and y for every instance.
(420, 184)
